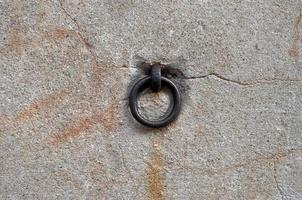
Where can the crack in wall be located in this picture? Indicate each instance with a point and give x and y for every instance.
(243, 83)
(182, 76)
(276, 181)
(79, 32)
(83, 39)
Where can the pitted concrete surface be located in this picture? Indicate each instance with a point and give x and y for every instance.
(65, 127)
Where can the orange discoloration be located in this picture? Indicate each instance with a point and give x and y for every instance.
(84, 125)
(102, 74)
(274, 158)
(16, 42)
(294, 50)
(277, 157)
(34, 109)
(109, 119)
(100, 71)
(155, 171)
(154, 177)
(59, 33)
(39, 105)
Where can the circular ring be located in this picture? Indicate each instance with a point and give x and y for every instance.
(171, 114)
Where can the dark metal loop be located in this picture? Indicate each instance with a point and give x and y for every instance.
(155, 78)
(173, 110)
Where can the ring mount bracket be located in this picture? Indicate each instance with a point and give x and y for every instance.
(156, 78)
(156, 82)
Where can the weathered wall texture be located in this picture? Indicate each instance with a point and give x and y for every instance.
(65, 128)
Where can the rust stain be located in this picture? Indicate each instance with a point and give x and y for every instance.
(154, 173)
(102, 74)
(109, 119)
(294, 50)
(39, 105)
(277, 157)
(100, 70)
(59, 33)
(28, 112)
(154, 177)
(83, 125)
(16, 42)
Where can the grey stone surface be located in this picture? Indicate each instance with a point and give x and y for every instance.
(65, 127)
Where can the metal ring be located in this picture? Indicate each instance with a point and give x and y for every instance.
(155, 78)
(172, 112)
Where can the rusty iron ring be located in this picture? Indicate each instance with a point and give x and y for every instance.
(173, 110)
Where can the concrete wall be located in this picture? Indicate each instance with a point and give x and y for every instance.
(65, 127)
